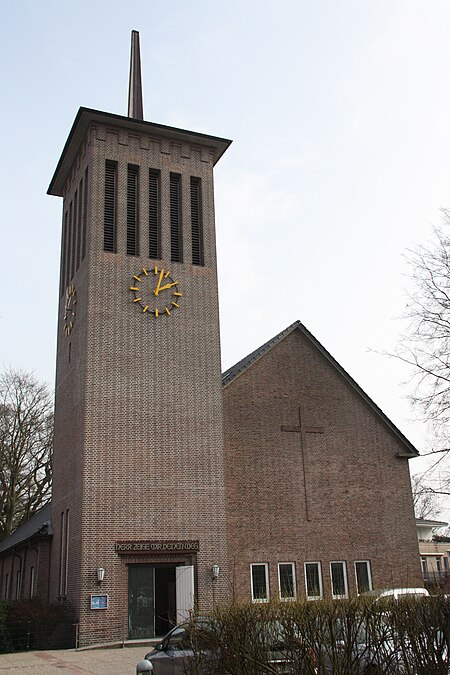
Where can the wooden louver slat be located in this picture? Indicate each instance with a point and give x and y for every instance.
(132, 210)
(196, 222)
(109, 234)
(154, 209)
(176, 243)
(85, 203)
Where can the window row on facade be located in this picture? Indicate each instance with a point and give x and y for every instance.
(16, 593)
(153, 217)
(312, 571)
(435, 567)
(73, 249)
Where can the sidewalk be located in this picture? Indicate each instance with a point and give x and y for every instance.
(121, 661)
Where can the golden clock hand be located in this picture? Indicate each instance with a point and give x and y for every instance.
(158, 286)
(163, 288)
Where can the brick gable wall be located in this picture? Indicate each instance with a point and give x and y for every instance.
(358, 492)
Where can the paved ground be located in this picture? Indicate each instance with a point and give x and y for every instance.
(93, 661)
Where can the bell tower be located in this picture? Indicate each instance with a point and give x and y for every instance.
(138, 451)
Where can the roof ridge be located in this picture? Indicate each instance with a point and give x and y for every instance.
(236, 370)
(243, 364)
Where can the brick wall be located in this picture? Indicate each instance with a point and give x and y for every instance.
(138, 439)
(358, 492)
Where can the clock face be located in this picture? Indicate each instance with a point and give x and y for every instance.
(70, 308)
(155, 292)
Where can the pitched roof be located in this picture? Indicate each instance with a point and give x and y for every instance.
(38, 525)
(241, 366)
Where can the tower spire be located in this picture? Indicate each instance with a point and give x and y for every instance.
(135, 105)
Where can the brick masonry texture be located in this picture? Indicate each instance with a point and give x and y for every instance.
(358, 491)
(138, 438)
(141, 418)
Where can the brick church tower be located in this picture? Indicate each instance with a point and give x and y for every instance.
(138, 505)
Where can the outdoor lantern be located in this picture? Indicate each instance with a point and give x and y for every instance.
(215, 571)
(100, 574)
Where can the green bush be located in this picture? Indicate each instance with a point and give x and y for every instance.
(32, 624)
(344, 637)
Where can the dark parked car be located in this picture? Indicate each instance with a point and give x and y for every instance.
(175, 655)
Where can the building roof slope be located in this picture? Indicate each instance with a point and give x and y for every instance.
(38, 525)
(241, 366)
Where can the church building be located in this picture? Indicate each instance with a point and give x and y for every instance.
(174, 485)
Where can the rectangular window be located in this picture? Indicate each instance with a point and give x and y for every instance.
(446, 563)
(31, 581)
(286, 581)
(363, 576)
(260, 582)
(424, 562)
(132, 210)
(85, 203)
(439, 565)
(64, 554)
(110, 216)
(176, 239)
(18, 579)
(339, 586)
(196, 222)
(313, 580)
(154, 214)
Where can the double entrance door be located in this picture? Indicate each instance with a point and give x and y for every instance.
(159, 596)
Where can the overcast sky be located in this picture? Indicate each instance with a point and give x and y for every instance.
(339, 112)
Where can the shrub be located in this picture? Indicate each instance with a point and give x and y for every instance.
(345, 637)
(32, 624)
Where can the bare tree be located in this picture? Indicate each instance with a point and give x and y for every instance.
(426, 504)
(425, 344)
(26, 438)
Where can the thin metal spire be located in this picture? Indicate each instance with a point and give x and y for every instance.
(135, 105)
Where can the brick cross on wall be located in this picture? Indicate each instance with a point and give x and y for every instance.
(299, 429)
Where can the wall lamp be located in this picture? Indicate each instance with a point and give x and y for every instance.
(215, 571)
(100, 574)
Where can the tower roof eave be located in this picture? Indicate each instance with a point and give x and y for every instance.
(87, 116)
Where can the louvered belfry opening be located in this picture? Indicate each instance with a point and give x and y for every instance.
(132, 210)
(154, 214)
(196, 222)
(69, 244)
(74, 234)
(109, 232)
(176, 241)
(79, 221)
(85, 204)
(64, 254)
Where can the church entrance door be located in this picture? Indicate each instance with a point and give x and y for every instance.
(152, 608)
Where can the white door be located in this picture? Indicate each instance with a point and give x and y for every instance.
(184, 577)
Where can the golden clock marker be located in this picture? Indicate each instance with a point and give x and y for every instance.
(142, 294)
